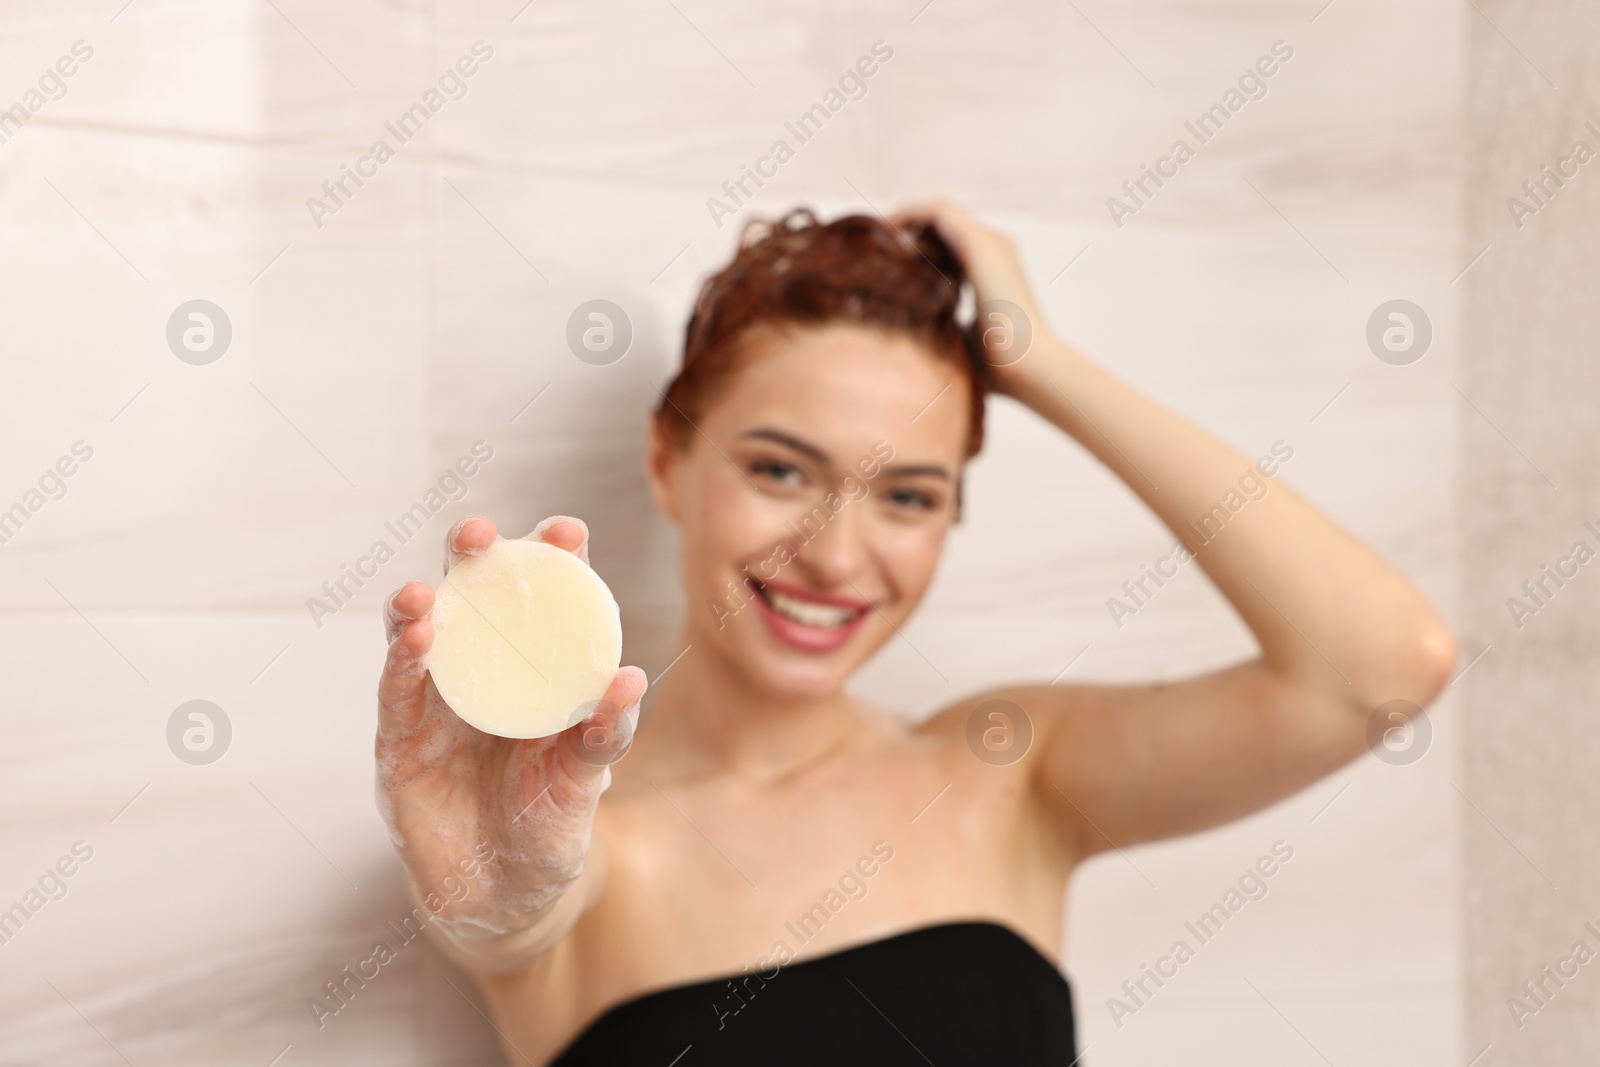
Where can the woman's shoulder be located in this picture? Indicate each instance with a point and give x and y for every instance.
(1008, 717)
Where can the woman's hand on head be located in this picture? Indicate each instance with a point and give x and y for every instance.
(452, 795)
(995, 271)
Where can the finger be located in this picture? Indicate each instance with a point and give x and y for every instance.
(566, 532)
(403, 686)
(944, 222)
(469, 537)
(935, 212)
(604, 737)
(916, 217)
(910, 213)
(956, 224)
(411, 601)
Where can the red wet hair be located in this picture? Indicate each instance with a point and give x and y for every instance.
(798, 272)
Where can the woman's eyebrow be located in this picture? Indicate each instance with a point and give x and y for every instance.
(804, 448)
(916, 469)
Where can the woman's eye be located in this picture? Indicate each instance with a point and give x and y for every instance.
(911, 498)
(782, 473)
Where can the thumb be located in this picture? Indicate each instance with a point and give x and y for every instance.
(605, 734)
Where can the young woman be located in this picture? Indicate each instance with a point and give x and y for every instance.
(780, 873)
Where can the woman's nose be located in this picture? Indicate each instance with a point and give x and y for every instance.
(836, 552)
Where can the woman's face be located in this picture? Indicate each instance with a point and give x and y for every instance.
(813, 498)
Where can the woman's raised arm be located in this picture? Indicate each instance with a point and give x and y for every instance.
(1341, 632)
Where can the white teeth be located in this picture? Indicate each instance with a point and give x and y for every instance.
(807, 612)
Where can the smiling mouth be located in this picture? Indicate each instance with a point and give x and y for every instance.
(806, 612)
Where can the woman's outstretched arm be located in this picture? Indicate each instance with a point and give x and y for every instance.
(1341, 632)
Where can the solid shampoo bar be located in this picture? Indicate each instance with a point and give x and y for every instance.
(526, 639)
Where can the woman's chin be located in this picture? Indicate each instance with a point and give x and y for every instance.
(799, 683)
(793, 675)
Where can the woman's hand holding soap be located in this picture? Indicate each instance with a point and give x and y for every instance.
(500, 710)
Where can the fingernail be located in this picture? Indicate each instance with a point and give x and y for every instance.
(538, 531)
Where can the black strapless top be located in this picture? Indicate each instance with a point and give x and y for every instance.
(954, 994)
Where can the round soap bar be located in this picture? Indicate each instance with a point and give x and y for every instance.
(526, 639)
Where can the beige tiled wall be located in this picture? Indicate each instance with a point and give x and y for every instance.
(1530, 742)
(371, 351)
